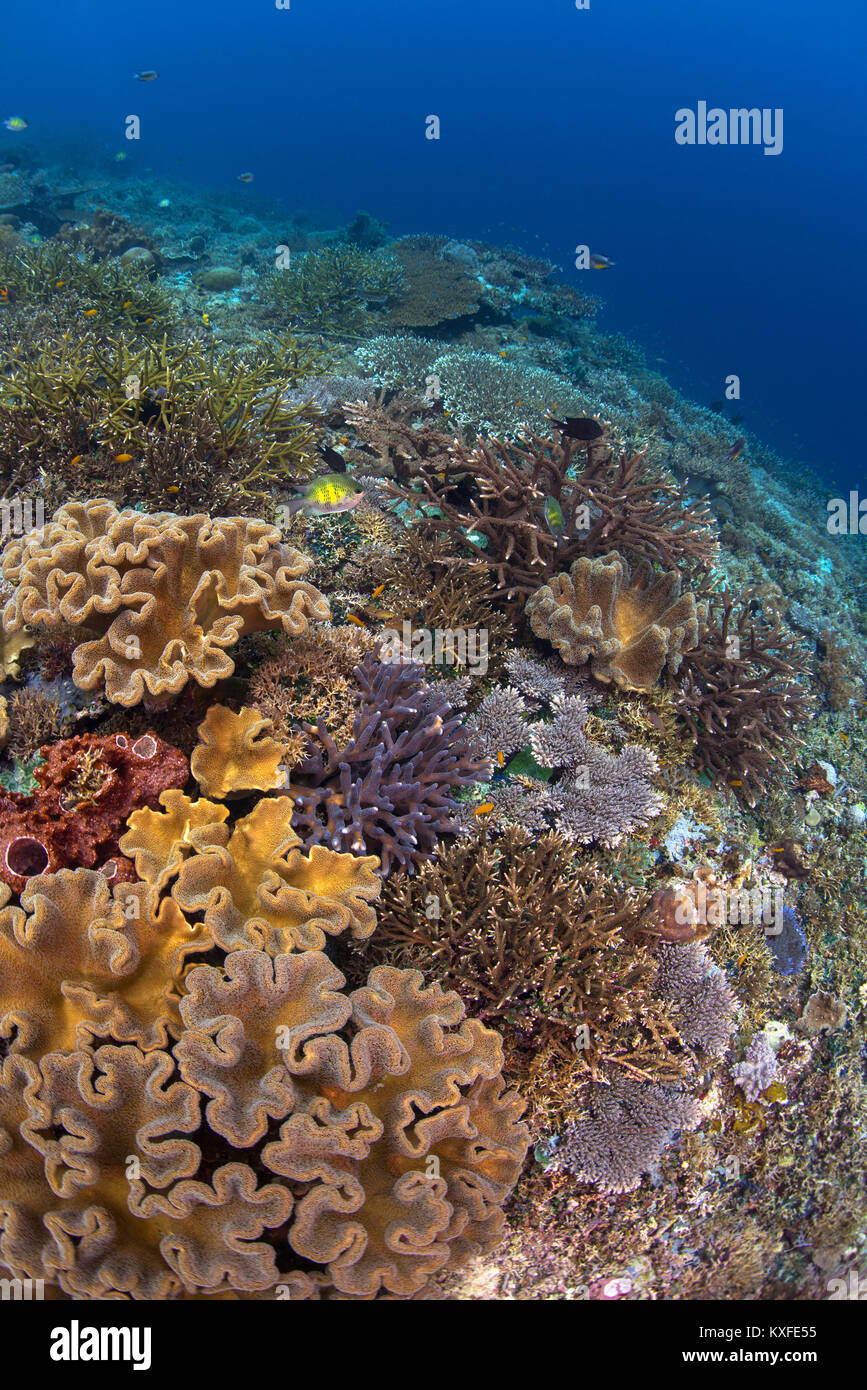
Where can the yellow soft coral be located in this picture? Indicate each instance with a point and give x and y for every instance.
(257, 887)
(79, 957)
(159, 841)
(167, 595)
(628, 627)
(236, 753)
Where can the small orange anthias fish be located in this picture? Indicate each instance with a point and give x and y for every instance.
(123, 458)
(485, 809)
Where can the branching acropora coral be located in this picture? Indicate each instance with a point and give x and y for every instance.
(167, 595)
(493, 499)
(335, 289)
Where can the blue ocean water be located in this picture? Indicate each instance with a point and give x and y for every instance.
(557, 129)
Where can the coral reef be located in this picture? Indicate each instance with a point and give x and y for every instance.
(538, 944)
(759, 1069)
(236, 753)
(167, 594)
(435, 287)
(629, 627)
(334, 290)
(622, 1131)
(412, 1129)
(598, 797)
(743, 693)
(310, 681)
(206, 426)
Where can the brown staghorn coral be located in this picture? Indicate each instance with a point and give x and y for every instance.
(252, 881)
(236, 753)
(166, 594)
(310, 680)
(34, 718)
(743, 693)
(493, 500)
(630, 627)
(429, 587)
(537, 943)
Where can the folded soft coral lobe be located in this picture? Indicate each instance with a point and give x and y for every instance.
(166, 595)
(629, 627)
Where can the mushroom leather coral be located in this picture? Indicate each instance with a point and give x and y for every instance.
(166, 595)
(254, 882)
(628, 628)
(81, 957)
(88, 786)
(396, 1145)
(415, 1082)
(236, 753)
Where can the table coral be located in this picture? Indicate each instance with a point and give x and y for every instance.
(629, 627)
(166, 594)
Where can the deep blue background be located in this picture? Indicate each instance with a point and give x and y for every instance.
(557, 128)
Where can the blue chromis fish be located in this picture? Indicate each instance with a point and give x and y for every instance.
(146, 75)
(164, 203)
(554, 517)
(735, 451)
(601, 262)
(332, 492)
(16, 123)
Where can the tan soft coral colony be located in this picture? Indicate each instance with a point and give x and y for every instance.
(165, 595)
(629, 627)
(288, 1137)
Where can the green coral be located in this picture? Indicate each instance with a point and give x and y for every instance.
(335, 289)
(105, 294)
(189, 416)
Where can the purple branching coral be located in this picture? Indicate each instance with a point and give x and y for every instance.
(389, 791)
(597, 797)
(621, 1132)
(703, 1007)
(759, 1070)
(626, 1121)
